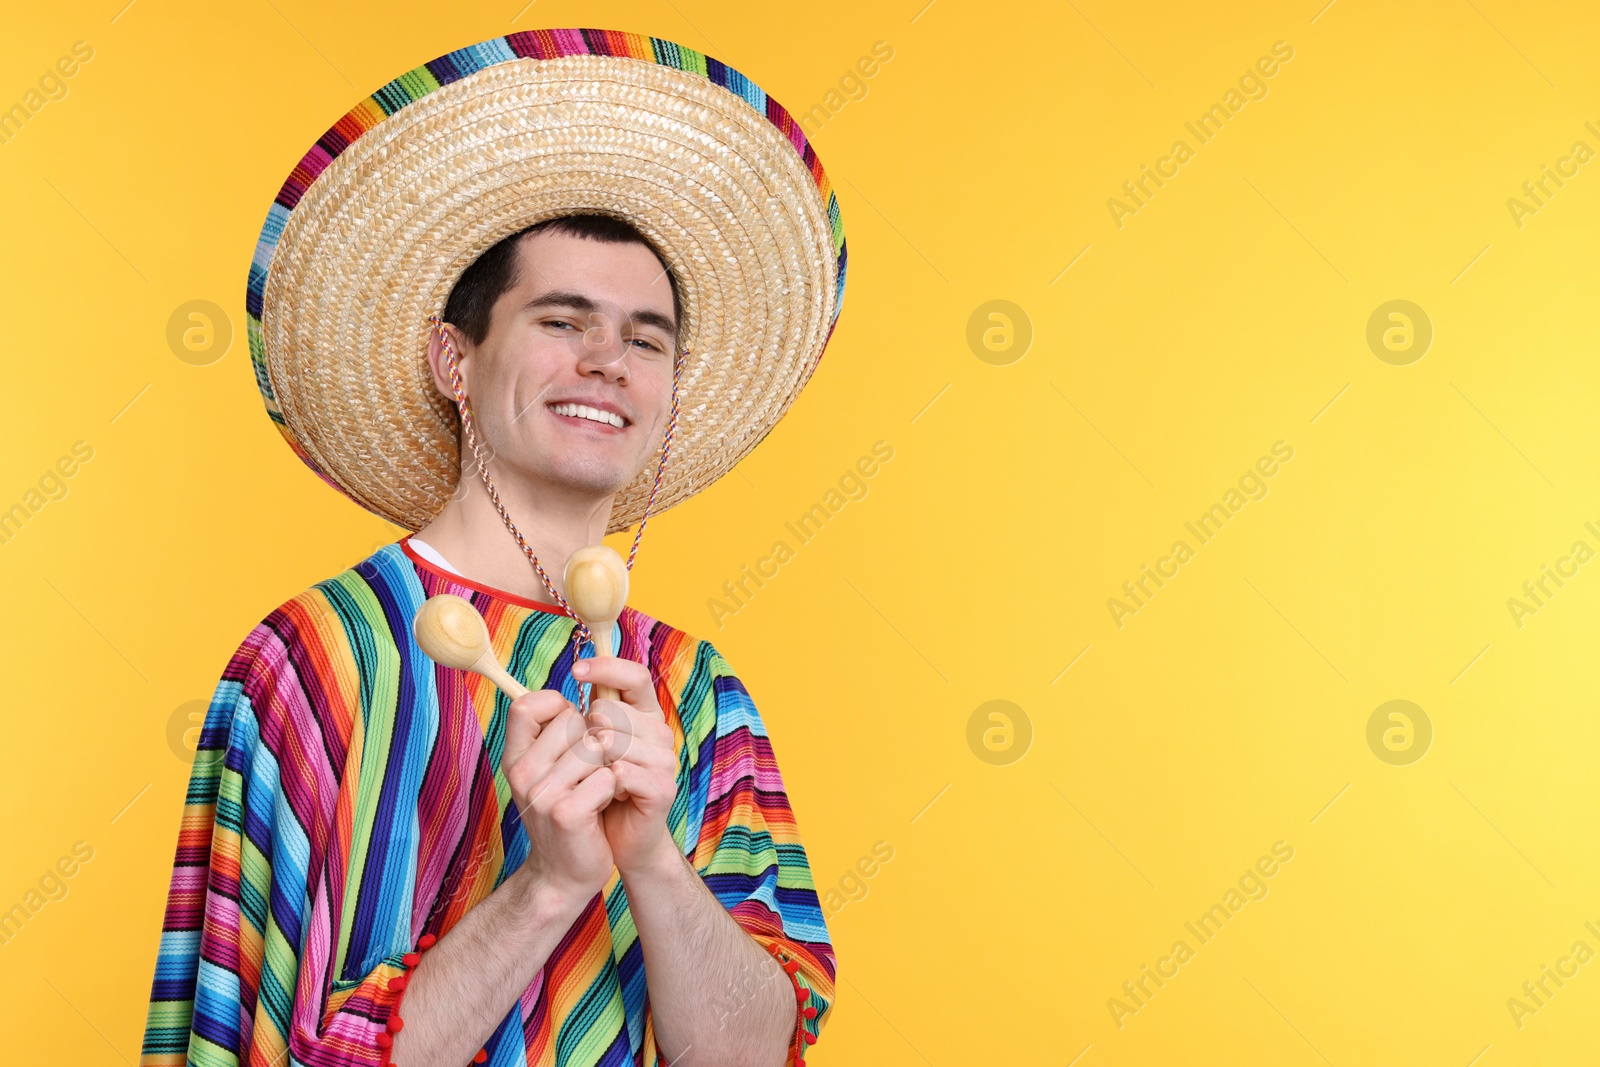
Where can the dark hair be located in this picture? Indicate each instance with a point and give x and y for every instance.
(495, 272)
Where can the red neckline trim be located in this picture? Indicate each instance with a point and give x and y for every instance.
(457, 579)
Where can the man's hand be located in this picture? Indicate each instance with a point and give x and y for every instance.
(476, 972)
(643, 755)
(560, 783)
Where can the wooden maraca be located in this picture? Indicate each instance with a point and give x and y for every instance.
(451, 632)
(597, 588)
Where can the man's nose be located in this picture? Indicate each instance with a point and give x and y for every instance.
(602, 349)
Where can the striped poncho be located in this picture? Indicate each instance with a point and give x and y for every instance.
(346, 798)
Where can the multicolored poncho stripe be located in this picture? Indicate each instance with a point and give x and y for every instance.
(346, 798)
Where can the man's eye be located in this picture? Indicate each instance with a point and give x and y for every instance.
(648, 344)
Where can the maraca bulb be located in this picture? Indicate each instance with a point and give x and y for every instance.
(451, 631)
(597, 583)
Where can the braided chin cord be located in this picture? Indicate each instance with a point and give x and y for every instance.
(581, 633)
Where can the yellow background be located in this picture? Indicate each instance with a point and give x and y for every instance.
(1229, 713)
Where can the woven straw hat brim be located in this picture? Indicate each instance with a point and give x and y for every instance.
(376, 240)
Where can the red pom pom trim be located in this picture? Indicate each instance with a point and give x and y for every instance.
(802, 1036)
(397, 984)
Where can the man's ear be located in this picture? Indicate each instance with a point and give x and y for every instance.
(438, 365)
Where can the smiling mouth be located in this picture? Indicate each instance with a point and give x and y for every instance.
(583, 411)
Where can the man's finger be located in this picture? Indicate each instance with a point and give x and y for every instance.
(650, 757)
(527, 717)
(646, 728)
(616, 724)
(560, 759)
(631, 680)
(637, 781)
(597, 789)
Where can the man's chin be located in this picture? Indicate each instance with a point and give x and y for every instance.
(574, 476)
(591, 482)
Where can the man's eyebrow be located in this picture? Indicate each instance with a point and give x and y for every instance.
(578, 302)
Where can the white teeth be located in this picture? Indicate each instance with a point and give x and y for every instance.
(582, 411)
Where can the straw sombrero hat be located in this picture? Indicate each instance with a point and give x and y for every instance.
(372, 228)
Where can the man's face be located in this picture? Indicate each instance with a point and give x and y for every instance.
(588, 325)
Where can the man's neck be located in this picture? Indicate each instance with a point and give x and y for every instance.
(470, 533)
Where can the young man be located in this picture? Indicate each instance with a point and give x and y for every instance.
(364, 827)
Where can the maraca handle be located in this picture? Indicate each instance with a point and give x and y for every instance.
(602, 647)
(600, 633)
(490, 668)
